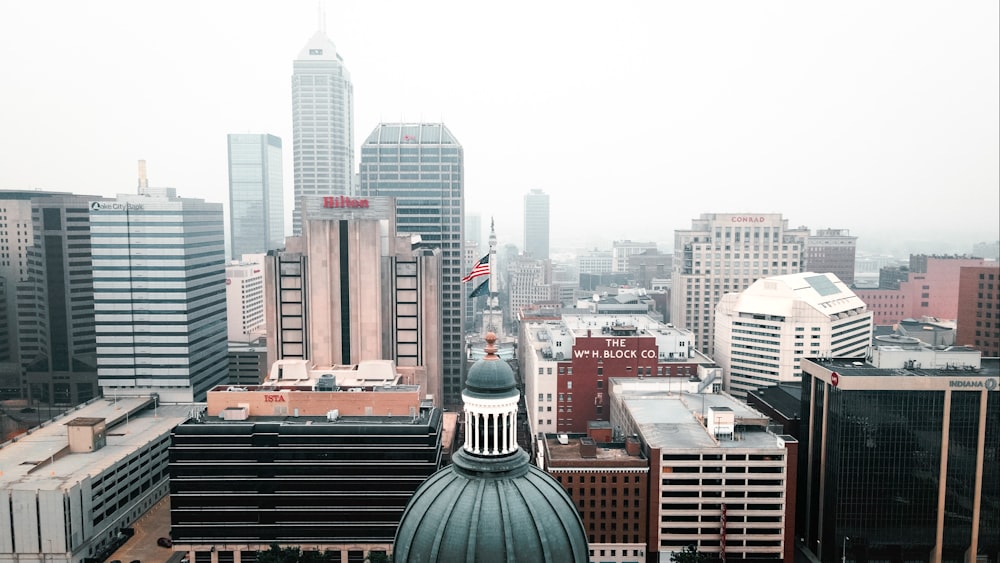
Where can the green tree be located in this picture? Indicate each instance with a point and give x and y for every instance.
(378, 557)
(690, 554)
(278, 554)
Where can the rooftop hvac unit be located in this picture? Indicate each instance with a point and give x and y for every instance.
(333, 415)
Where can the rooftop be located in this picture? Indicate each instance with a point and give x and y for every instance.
(989, 367)
(613, 453)
(41, 459)
(411, 133)
(674, 420)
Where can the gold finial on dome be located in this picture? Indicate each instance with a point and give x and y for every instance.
(491, 346)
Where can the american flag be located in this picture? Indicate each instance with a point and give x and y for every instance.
(481, 268)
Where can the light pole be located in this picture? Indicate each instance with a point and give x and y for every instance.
(843, 550)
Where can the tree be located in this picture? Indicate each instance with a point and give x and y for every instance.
(690, 554)
(378, 557)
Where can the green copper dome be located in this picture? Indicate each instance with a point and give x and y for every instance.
(490, 376)
(490, 505)
(490, 511)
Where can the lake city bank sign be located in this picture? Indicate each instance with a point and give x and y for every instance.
(114, 206)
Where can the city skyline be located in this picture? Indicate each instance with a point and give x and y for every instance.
(660, 113)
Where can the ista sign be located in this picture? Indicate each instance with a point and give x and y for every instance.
(339, 202)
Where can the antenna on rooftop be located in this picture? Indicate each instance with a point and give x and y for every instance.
(321, 16)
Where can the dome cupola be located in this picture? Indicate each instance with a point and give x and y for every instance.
(490, 505)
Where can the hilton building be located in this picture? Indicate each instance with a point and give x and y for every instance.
(323, 305)
(899, 462)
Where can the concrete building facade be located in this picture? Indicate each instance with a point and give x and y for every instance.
(720, 481)
(724, 253)
(763, 332)
(69, 488)
(245, 298)
(322, 306)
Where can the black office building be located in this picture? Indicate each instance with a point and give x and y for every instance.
(900, 464)
(329, 483)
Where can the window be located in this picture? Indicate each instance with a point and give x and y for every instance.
(569, 384)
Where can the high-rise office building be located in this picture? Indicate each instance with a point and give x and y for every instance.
(322, 124)
(324, 305)
(474, 230)
(832, 250)
(536, 224)
(900, 457)
(256, 197)
(763, 332)
(159, 294)
(723, 253)
(421, 165)
(16, 236)
(55, 312)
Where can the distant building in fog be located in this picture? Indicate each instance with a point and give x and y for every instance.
(256, 197)
(831, 250)
(988, 250)
(536, 224)
(621, 250)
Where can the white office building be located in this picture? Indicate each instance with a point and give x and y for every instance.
(723, 253)
(159, 295)
(763, 332)
(245, 298)
(322, 124)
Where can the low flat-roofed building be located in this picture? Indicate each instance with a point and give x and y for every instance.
(70, 487)
(719, 479)
(609, 484)
(319, 459)
(294, 387)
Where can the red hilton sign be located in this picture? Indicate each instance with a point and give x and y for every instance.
(338, 202)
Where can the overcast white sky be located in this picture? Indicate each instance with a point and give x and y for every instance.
(636, 117)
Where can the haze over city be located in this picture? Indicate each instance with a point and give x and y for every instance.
(637, 117)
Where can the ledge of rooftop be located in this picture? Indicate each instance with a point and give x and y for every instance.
(559, 453)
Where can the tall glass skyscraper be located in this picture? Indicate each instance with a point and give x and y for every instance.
(322, 124)
(256, 198)
(159, 295)
(536, 224)
(421, 165)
